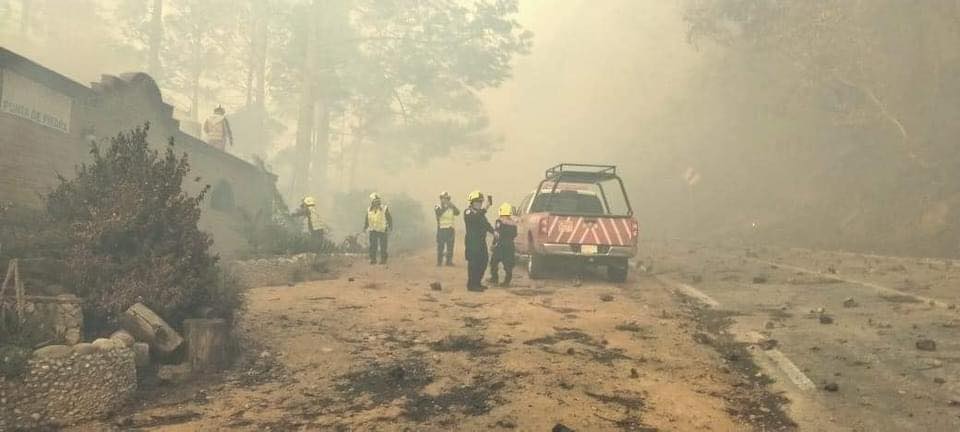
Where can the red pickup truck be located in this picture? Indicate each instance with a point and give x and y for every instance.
(578, 212)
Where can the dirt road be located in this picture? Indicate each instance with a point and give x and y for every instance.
(867, 343)
(378, 349)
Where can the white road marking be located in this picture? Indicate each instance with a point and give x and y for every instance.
(790, 369)
(784, 363)
(880, 289)
(690, 291)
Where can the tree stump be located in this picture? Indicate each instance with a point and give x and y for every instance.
(147, 326)
(206, 344)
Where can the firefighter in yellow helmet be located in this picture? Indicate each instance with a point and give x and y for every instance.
(378, 223)
(504, 251)
(308, 210)
(475, 239)
(446, 214)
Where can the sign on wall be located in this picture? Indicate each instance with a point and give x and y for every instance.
(33, 101)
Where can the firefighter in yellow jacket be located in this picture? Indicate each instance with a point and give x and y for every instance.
(378, 223)
(446, 214)
(308, 210)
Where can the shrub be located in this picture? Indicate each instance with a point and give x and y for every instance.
(277, 232)
(133, 232)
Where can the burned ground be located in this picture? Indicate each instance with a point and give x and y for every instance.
(334, 355)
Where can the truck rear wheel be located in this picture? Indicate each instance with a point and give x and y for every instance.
(536, 266)
(617, 272)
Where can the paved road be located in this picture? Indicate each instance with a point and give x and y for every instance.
(793, 301)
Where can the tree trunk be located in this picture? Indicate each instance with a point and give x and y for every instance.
(305, 118)
(196, 71)
(321, 147)
(206, 344)
(260, 67)
(156, 38)
(147, 326)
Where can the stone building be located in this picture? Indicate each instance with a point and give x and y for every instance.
(47, 122)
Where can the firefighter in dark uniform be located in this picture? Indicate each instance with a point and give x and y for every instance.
(475, 240)
(504, 251)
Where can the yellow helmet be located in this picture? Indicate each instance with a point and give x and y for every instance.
(475, 195)
(506, 209)
(374, 196)
(309, 201)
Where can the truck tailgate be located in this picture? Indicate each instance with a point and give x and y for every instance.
(598, 230)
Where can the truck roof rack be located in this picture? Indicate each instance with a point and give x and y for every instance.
(581, 173)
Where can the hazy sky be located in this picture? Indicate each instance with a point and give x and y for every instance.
(597, 72)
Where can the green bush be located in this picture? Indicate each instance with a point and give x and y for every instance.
(133, 235)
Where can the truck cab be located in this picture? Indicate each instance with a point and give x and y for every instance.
(578, 212)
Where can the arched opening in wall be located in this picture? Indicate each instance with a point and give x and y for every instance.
(221, 196)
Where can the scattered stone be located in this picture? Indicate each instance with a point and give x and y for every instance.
(926, 345)
(606, 297)
(577, 283)
(265, 354)
(831, 387)
(35, 416)
(702, 338)
(571, 351)
(767, 344)
(769, 325)
(174, 373)
(53, 352)
(507, 423)
(760, 279)
(436, 286)
(831, 270)
(565, 385)
(634, 373)
(350, 279)
(939, 380)
(123, 336)
(849, 302)
(560, 427)
(696, 278)
(146, 326)
(826, 319)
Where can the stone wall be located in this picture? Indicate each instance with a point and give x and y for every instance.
(63, 385)
(56, 319)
